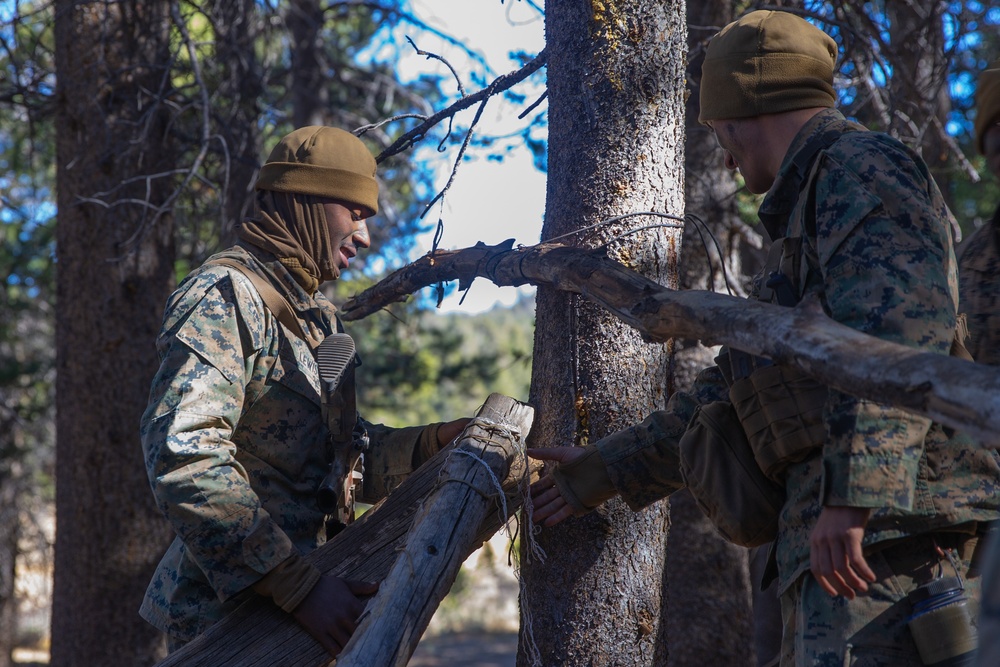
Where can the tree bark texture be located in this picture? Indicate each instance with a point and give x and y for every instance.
(115, 271)
(919, 84)
(615, 83)
(442, 513)
(239, 27)
(10, 523)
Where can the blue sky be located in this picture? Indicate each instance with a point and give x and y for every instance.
(489, 201)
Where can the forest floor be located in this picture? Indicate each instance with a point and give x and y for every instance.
(467, 649)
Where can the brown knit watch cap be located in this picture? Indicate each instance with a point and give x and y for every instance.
(322, 161)
(987, 102)
(767, 62)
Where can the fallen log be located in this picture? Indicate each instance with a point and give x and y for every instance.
(960, 394)
(439, 540)
(259, 634)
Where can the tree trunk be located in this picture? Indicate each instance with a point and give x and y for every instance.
(238, 27)
(706, 578)
(10, 484)
(310, 96)
(919, 84)
(615, 81)
(115, 271)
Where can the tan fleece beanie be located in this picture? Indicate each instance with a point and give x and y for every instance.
(322, 161)
(987, 102)
(767, 62)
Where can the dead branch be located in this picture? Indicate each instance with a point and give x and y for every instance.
(957, 393)
(498, 85)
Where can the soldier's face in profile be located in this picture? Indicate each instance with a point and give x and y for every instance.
(348, 230)
(991, 148)
(740, 139)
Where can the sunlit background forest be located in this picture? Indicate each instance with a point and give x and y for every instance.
(235, 76)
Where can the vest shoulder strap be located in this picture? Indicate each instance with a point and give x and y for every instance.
(275, 302)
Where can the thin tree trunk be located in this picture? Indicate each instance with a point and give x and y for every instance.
(919, 84)
(239, 28)
(615, 81)
(115, 271)
(309, 82)
(10, 484)
(706, 578)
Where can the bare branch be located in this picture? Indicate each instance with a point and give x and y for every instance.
(434, 56)
(500, 84)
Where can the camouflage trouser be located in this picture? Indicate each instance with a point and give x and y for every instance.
(871, 630)
(989, 618)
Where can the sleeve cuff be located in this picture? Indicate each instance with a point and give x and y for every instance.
(427, 444)
(289, 583)
(584, 483)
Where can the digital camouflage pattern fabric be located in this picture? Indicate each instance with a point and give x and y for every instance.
(979, 291)
(235, 443)
(867, 212)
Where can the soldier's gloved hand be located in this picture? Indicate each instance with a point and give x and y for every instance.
(435, 437)
(326, 606)
(578, 484)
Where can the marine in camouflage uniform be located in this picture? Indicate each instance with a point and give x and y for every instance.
(858, 217)
(979, 292)
(234, 439)
(979, 261)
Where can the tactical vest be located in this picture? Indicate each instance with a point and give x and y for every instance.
(781, 408)
(343, 440)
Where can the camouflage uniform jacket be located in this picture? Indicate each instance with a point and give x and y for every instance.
(868, 214)
(235, 443)
(979, 290)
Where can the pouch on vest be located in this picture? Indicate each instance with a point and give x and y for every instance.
(719, 469)
(781, 410)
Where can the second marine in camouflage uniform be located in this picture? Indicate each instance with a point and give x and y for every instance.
(860, 222)
(979, 290)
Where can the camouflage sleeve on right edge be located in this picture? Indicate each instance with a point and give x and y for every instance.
(643, 461)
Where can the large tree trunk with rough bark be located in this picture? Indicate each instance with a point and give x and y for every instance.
(616, 84)
(115, 271)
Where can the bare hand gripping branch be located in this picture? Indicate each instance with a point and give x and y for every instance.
(958, 393)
